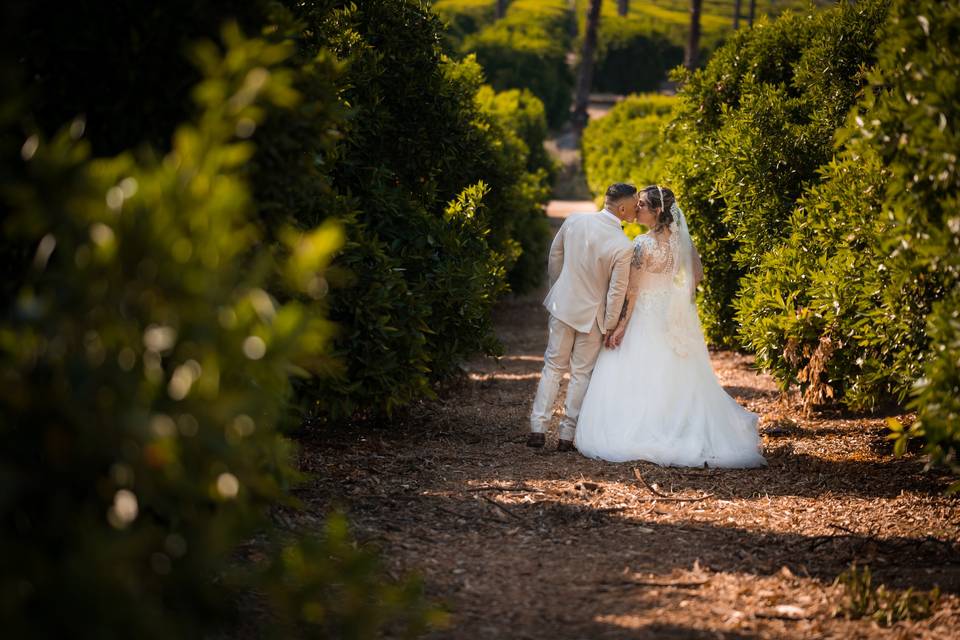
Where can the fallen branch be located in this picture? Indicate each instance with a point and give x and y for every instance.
(464, 516)
(662, 497)
(672, 499)
(639, 476)
(678, 584)
(504, 509)
(493, 487)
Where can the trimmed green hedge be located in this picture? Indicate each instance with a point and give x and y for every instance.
(527, 49)
(464, 18)
(752, 132)
(829, 155)
(636, 52)
(628, 143)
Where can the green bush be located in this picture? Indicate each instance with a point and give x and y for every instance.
(627, 144)
(909, 121)
(635, 52)
(444, 196)
(145, 371)
(414, 141)
(464, 17)
(753, 130)
(527, 49)
(806, 310)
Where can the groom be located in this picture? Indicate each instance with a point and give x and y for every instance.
(589, 270)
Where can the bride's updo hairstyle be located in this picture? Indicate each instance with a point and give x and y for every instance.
(661, 200)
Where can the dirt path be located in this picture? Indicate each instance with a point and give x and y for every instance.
(521, 543)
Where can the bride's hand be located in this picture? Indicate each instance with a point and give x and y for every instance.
(615, 337)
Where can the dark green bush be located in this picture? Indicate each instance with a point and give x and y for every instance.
(636, 52)
(419, 142)
(527, 49)
(628, 144)
(754, 129)
(145, 370)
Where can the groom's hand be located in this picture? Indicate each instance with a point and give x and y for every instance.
(615, 337)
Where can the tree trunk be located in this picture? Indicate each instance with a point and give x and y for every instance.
(623, 6)
(753, 11)
(585, 75)
(736, 14)
(501, 8)
(692, 57)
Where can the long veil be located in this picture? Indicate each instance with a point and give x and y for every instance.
(683, 324)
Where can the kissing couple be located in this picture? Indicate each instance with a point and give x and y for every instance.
(623, 323)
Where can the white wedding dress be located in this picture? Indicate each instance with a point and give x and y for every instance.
(656, 397)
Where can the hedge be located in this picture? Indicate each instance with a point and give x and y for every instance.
(754, 130)
(527, 49)
(627, 144)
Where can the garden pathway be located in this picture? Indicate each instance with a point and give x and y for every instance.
(521, 543)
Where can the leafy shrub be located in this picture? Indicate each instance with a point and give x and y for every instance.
(464, 17)
(527, 49)
(415, 139)
(444, 197)
(145, 372)
(753, 130)
(627, 144)
(861, 599)
(911, 126)
(635, 52)
(806, 310)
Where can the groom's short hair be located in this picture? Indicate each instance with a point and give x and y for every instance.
(620, 190)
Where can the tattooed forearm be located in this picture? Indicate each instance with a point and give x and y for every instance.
(626, 305)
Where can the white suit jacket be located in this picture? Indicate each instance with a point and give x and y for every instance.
(589, 270)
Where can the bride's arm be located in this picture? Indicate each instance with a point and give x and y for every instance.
(615, 337)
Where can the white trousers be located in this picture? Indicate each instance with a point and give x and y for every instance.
(567, 350)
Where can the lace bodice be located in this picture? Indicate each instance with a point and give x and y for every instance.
(654, 255)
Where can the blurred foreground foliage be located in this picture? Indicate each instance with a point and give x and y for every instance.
(386, 147)
(146, 365)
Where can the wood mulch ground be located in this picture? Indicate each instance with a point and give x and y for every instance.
(521, 543)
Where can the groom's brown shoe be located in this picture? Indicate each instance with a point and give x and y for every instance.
(536, 440)
(565, 445)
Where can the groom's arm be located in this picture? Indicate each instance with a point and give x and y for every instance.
(555, 261)
(619, 281)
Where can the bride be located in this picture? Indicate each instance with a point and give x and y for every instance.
(656, 397)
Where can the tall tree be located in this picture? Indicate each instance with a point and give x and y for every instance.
(736, 14)
(623, 6)
(501, 8)
(585, 75)
(753, 11)
(691, 57)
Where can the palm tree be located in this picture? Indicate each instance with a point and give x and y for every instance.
(692, 54)
(585, 76)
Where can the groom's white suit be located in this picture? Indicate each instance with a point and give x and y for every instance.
(589, 271)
